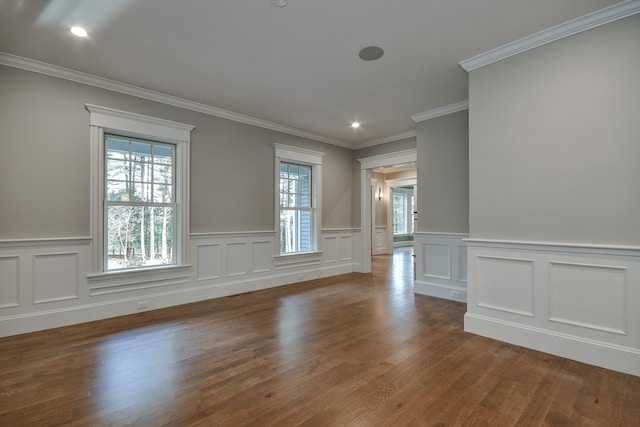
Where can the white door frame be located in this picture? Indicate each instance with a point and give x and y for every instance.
(366, 164)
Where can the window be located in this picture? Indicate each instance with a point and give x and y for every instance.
(295, 208)
(298, 187)
(139, 191)
(402, 210)
(140, 203)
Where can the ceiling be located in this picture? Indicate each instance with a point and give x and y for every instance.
(295, 66)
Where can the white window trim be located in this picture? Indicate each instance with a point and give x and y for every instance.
(107, 120)
(287, 153)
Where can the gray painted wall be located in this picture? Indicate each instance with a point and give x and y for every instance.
(555, 141)
(443, 174)
(44, 165)
(380, 205)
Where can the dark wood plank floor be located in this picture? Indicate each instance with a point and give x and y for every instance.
(352, 350)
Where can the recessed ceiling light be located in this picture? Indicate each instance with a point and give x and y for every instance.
(79, 31)
(279, 3)
(371, 53)
(355, 125)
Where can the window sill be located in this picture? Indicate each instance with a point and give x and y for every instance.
(298, 255)
(298, 259)
(139, 274)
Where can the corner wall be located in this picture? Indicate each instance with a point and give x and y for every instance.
(443, 206)
(554, 244)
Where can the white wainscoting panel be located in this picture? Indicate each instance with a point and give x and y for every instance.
(505, 284)
(330, 248)
(55, 277)
(9, 282)
(345, 247)
(380, 241)
(440, 268)
(47, 283)
(237, 257)
(437, 260)
(462, 263)
(262, 256)
(590, 296)
(579, 302)
(208, 260)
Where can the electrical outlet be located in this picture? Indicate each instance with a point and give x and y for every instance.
(141, 305)
(456, 294)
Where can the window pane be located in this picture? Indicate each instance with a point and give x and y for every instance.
(399, 226)
(162, 193)
(141, 192)
(162, 174)
(284, 170)
(117, 169)
(305, 173)
(304, 224)
(116, 191)
(288, 232)
(141, 151)
(163, 154)
(141, 171)
(293, 186)
(117, 148)
(304, 187)
(139, 236)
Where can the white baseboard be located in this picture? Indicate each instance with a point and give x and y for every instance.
(596, 353)
(453, 293)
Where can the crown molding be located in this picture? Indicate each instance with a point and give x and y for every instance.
(385, 139)
(152, 95)
(441, 111)
(595, 19)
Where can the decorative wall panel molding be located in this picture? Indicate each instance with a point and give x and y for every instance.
(261, 256)
(505, 284)
(441, 269)
(345, 247)
(9, 282)
(380, 241)
(437, 260)
(46, 283)
(208, 260)
(578, 302)
(237, 255)
(572, 286)
(55, 277)
(330, 249)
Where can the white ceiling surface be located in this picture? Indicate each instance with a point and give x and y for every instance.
(296, 66)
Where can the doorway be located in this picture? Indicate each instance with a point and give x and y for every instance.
(368, 165)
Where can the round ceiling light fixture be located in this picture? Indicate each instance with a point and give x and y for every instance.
(371, 53)
(79, 31)
(279, 3)
(355, 125)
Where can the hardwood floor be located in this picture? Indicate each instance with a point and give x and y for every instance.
(352, 350)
